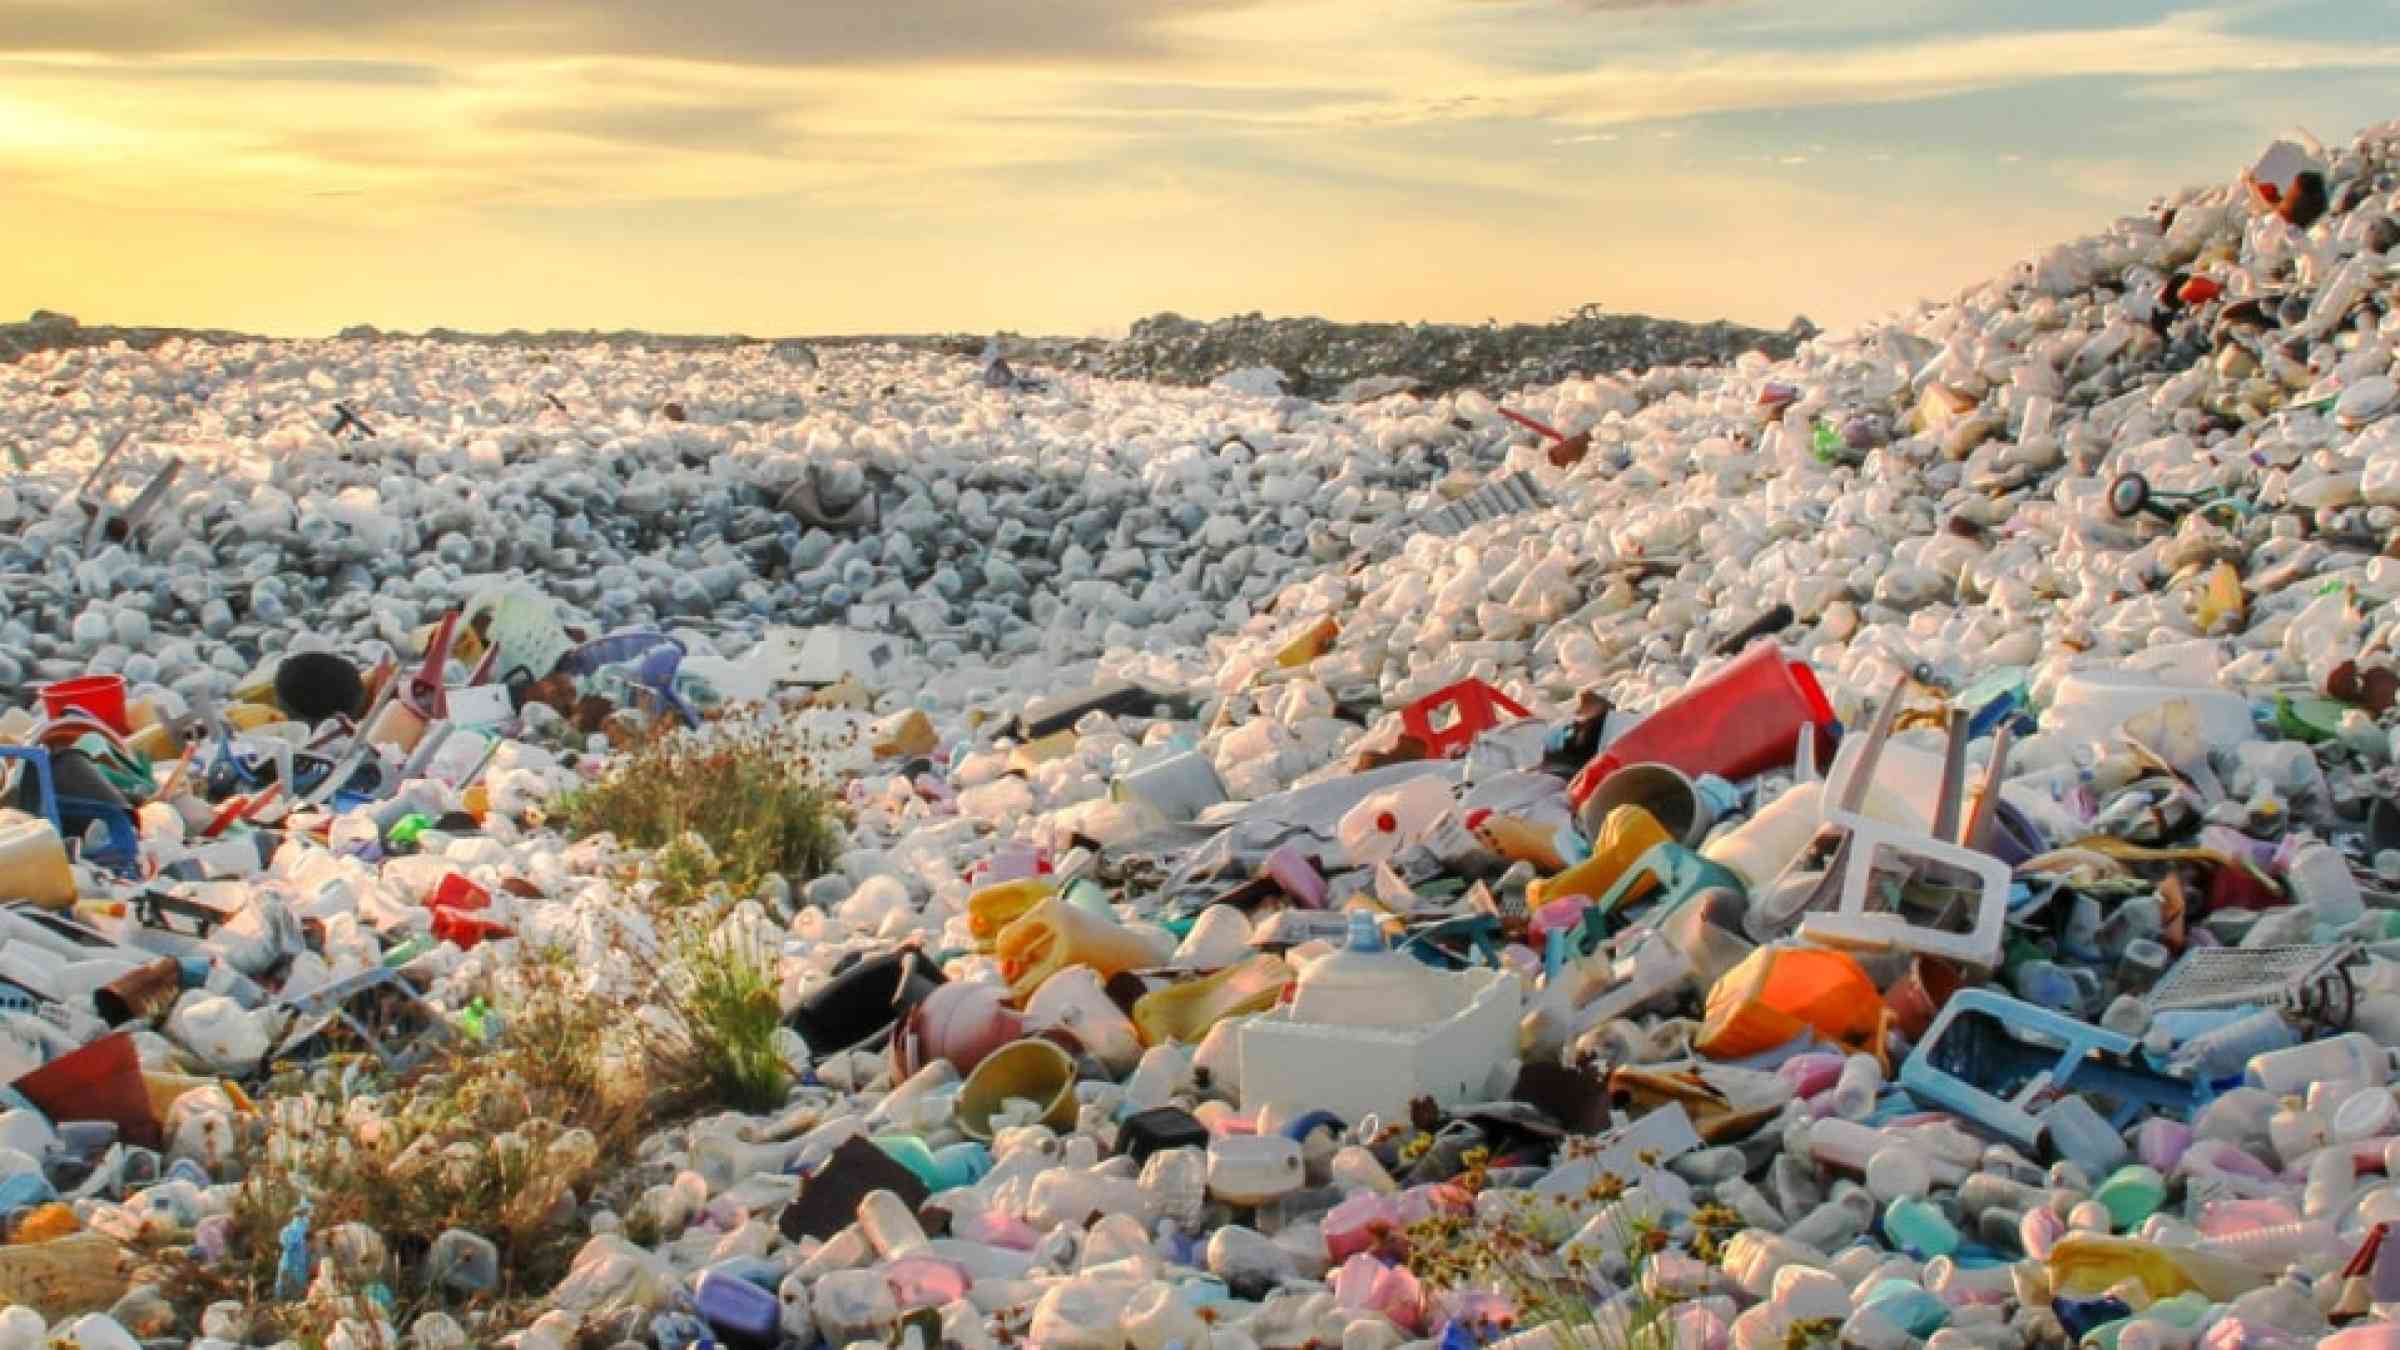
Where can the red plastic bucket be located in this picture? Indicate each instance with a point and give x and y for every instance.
(102, 696)
(1738, 723)
(101, 1081)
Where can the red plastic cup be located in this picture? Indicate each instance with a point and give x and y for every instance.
(99, 696)
(1738, 723)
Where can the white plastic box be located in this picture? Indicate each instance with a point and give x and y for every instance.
(1352, 1071)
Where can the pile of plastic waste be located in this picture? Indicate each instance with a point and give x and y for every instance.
(1896, 845)
(1318, 359)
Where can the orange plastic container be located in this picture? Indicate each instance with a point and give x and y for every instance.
(1778, 993)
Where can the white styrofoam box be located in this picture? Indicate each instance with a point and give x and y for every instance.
(1352, 1071)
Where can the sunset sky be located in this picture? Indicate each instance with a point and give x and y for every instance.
(1066, 166)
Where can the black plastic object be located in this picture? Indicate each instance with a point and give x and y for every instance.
(1773, 621)
(315, 686)
(1159, 1129)
(863, 1004)
(829, 1199)
(1117, 698)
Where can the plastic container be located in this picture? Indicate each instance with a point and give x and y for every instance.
(1742, 720)
(1035, 1071)
(1453, 1056)
(1389, 820)
(2352, 1055)
(1054, 935)
(99, 1081)
(100, 696)
(1297, 876)
(1667, 793)
(1854, 1093)
(1075, 1001)
(2091, 704)
(2131, 1194)
(996, 907)
(959, 1022)
(1760, 848)
(1186, 1010)
(2085, 1265)
(1251, 1169)
(745, 1315)
(2227, 1050)
(1364, 984)
(33, 862)
(1627, 834)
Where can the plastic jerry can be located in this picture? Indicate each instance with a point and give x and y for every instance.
(996, 907)
(1387, 821)
(1628, 833)
(1364, 985)
(1251, 1169)
(1054, 935)
(741, 1312)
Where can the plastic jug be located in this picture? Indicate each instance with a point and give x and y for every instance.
(2352, 1056)
(1364, 985)
(1736, 723)
(741, 1312)
(1387, 821)
(1251, 1169)
(33, 862)
(1628, 833)
(1054, 935)
(996, 907)
(1186, 1010)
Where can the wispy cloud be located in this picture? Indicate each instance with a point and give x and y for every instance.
(1177, 135)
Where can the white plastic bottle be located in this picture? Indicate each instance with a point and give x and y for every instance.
(1855, 1091)
(1388, 821)
(2349, 1056)
(2226, 1050)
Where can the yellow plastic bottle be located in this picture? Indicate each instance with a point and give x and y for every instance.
(996, 907)
(1627, 834)
(1054, 935)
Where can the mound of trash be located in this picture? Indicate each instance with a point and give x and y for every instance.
(760, 846)
(1320, 359)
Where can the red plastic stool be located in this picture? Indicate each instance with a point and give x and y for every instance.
(1473, 708)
